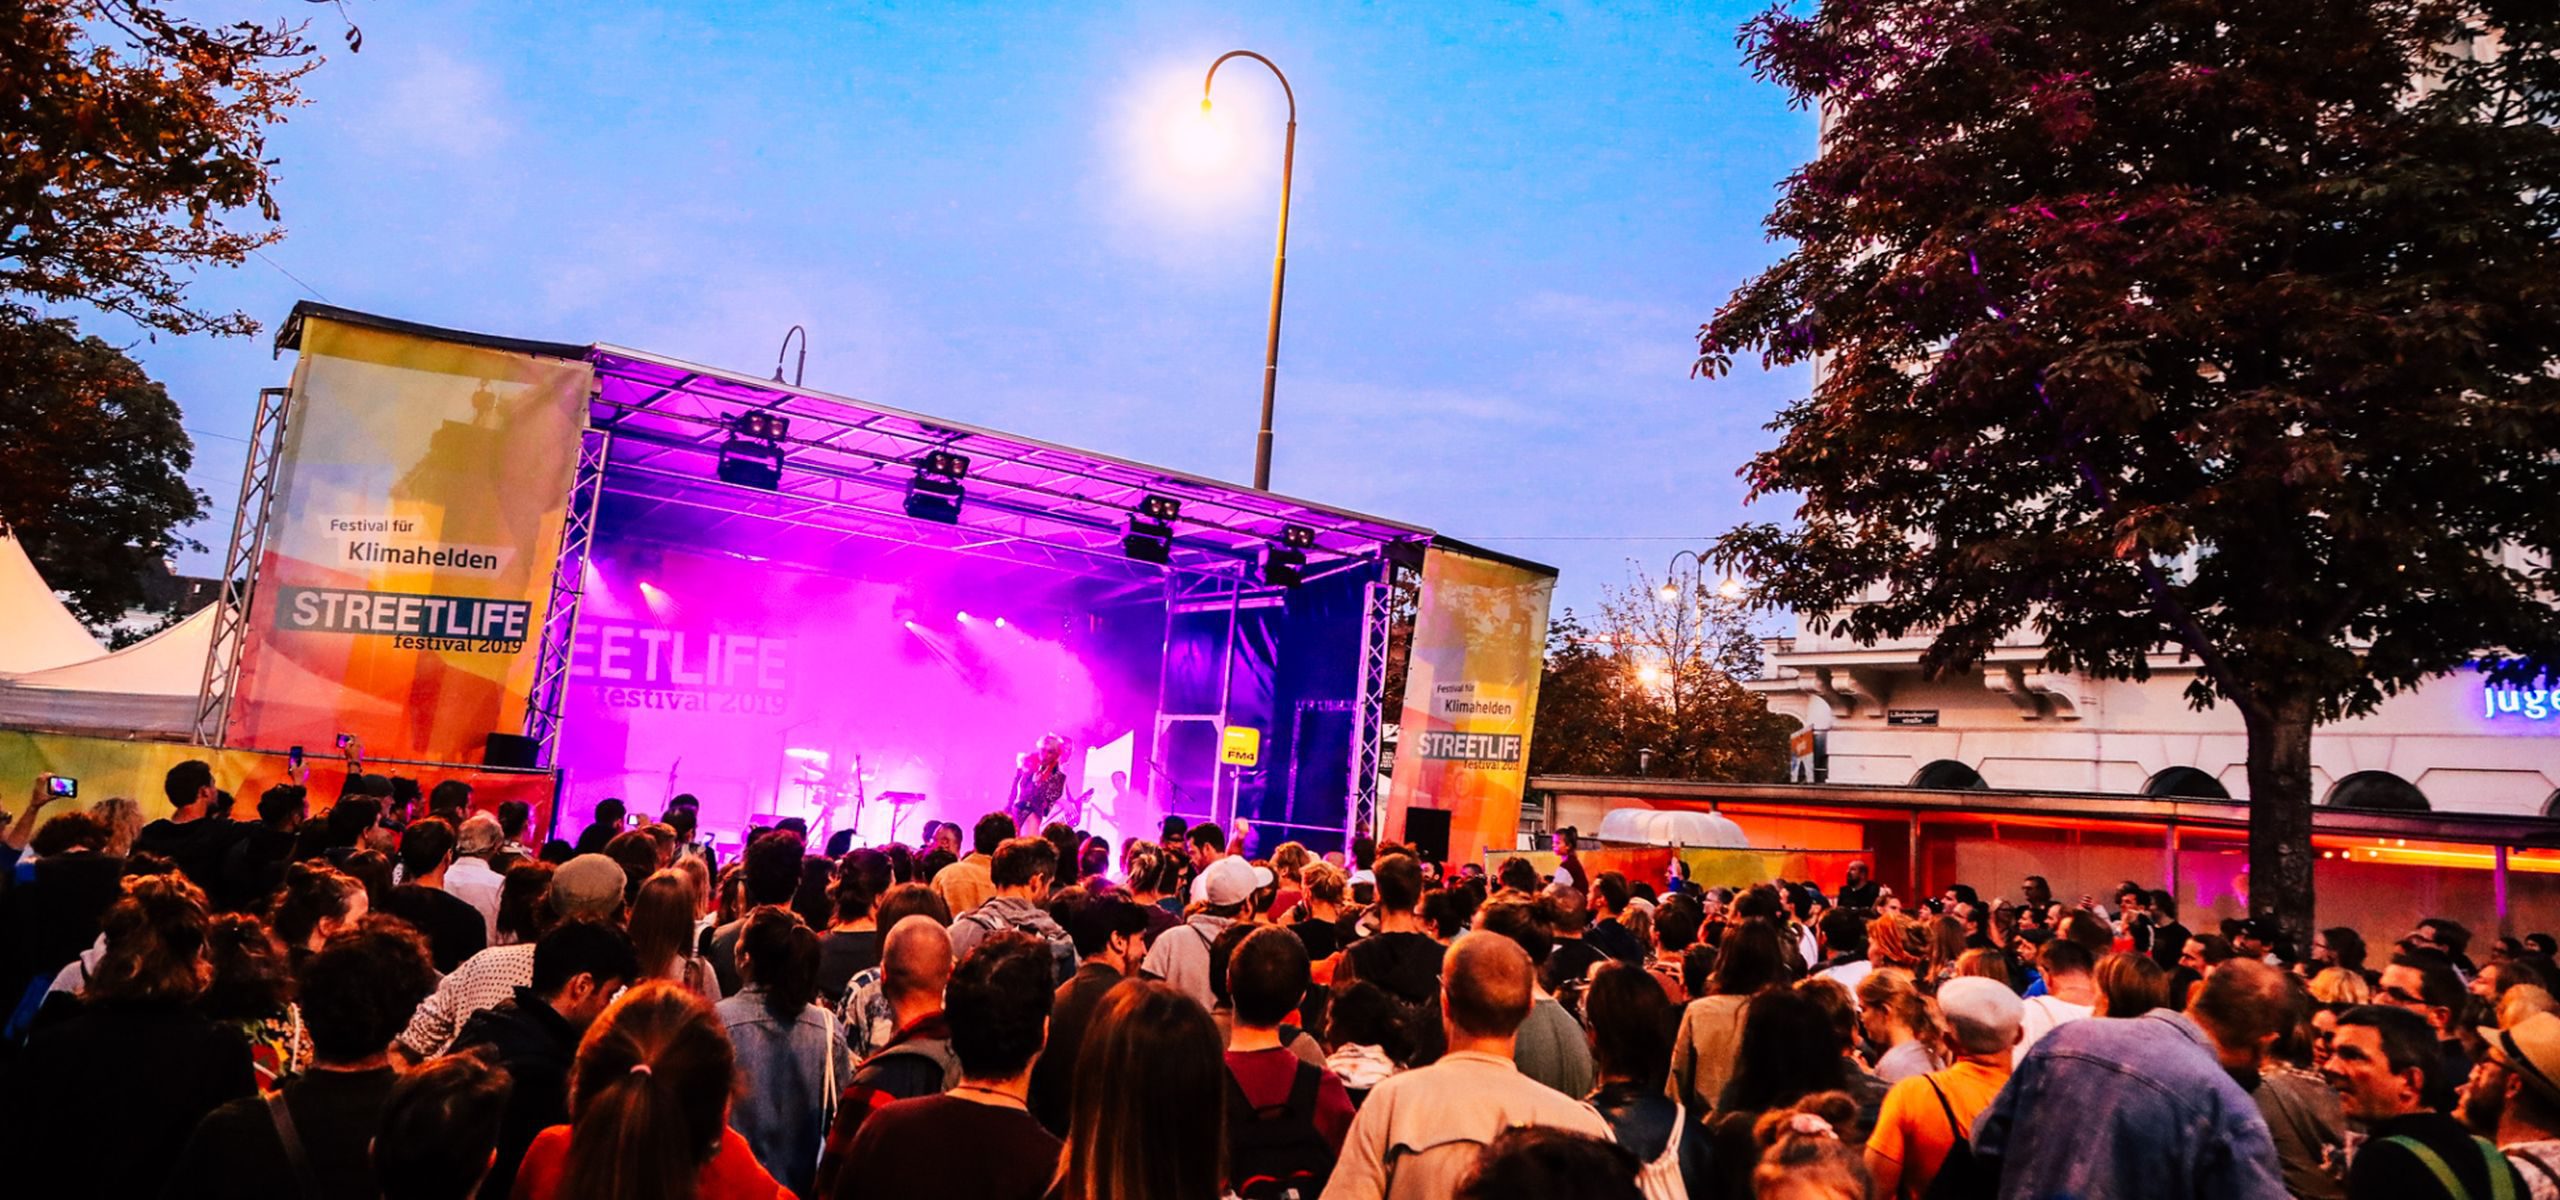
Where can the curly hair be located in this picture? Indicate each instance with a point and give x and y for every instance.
(358, 992)
(252, 973)
(155, 942)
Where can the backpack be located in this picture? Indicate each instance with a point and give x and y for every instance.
(2502, 1177)
(1961, 1176)
(1276, 1152)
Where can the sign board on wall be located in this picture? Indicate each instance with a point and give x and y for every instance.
(1911, 716)
(1471, 694)
(418, 506)
(2510, 702)
(1240, 746)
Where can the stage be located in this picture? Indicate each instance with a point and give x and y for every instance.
(677, 579)
(751, 645)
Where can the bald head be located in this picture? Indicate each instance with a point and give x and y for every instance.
(915, 959)
(1484, 985)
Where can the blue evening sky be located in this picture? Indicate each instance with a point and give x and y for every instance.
(1509, 223)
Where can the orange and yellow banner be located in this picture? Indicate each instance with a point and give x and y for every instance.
(417, 515)
(1470, 696)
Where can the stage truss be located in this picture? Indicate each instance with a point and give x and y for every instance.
(847, 465)
(544, 703)
(240, 566)
(1369, 714)
(846, 469)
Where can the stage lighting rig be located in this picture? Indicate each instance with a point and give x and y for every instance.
(762, 424)
(1285, 565)
(935, 493)
(1150, 536)
(752, 457)
(751, 464)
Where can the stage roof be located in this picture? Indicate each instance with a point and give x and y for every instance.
(847, 464)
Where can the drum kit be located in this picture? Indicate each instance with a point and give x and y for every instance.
(834, 788)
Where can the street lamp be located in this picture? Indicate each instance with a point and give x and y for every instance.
(1678, 595)
(1279, 257)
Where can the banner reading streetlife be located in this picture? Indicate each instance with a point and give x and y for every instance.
(418, 510)
(1471, 693)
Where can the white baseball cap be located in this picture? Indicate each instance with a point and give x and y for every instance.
(1229, 880)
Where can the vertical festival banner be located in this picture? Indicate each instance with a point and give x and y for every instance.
(418, 509)
(1470, 696)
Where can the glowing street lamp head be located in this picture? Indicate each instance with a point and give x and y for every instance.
(1199, 145)
(1649, 675)
(1668, 592)
(1731, 589)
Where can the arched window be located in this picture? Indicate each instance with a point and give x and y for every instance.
(2551, 807)
(2379, 790)
(1948, 775)
(2186, 782)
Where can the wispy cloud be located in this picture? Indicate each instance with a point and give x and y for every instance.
(437, 103)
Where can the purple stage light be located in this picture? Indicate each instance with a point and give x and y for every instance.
(964, 616)
(661, 605)
(1000, 622)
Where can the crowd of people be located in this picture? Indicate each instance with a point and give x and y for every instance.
(406, 996)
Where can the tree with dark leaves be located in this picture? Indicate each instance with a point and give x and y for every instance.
(92, 465)
(2219, 330)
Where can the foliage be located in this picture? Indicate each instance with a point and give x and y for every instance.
(93, 464)
(129, 141)
(1608, 691)
(2228, 327)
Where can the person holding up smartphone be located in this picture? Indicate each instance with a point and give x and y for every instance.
(48, 789)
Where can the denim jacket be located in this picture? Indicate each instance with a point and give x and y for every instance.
(2136, 1107)
(787, 1105)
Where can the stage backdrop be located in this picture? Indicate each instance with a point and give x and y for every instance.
(109, 767)
(1471, 693)
(417, 515)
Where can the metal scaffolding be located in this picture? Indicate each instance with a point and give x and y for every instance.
(544, 703)
(1369, 716)
(238, 585)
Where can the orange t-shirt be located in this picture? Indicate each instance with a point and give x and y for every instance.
(732, 1174)
(1912, 1129)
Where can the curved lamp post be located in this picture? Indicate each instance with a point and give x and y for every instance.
(1279, 258)
(1678, 595)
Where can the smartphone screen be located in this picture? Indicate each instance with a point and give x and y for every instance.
(295, 757)
(63, 786)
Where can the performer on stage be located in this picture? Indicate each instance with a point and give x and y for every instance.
(1038, 785)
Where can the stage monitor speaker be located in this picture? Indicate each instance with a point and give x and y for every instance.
(1427, 830)
(511, 750)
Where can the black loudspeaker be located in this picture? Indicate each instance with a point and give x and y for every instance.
(1427, 831)
(511, 750)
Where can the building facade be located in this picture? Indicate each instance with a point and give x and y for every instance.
(2456, 745)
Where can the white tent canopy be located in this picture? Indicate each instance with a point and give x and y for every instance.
(1672, 827)
(36, 632)
(147, 687)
